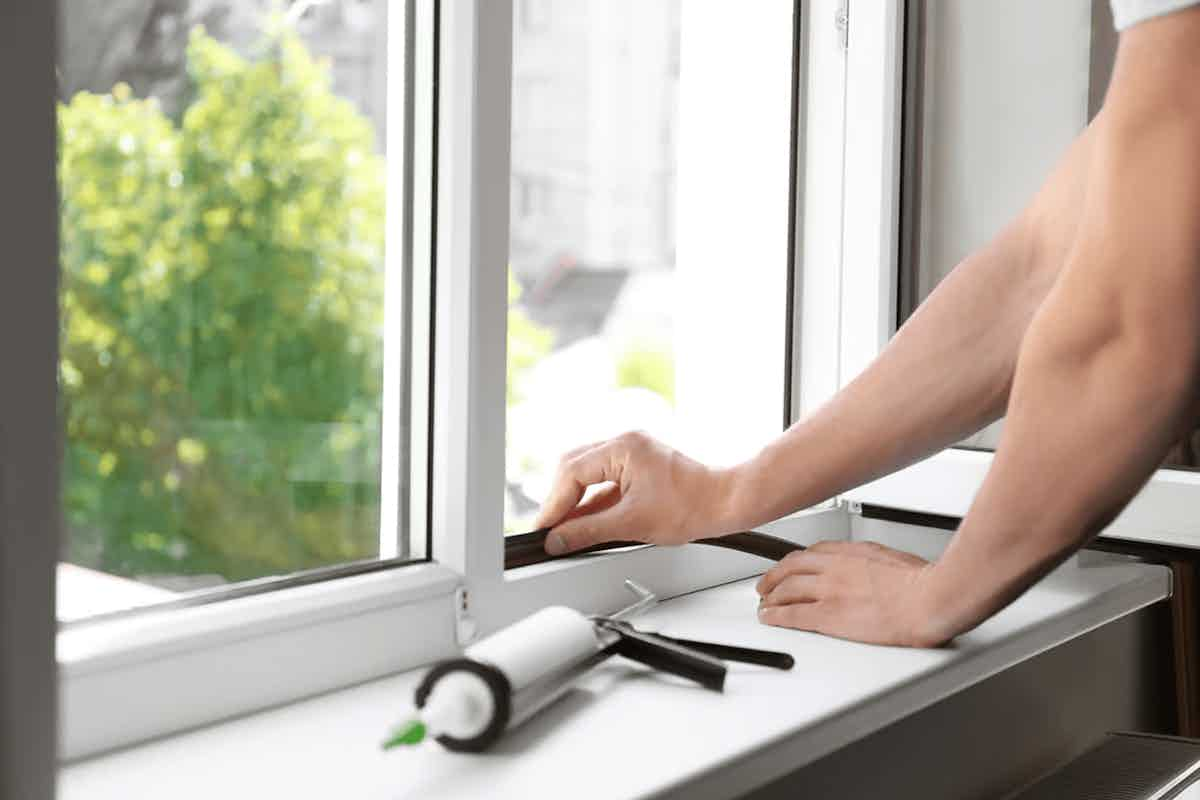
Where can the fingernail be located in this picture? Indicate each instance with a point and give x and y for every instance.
(555, 545)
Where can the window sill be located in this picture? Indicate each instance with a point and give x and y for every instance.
(694, 744)
(127, 680)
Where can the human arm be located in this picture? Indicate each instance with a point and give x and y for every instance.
(898, 411)
(1106, 379)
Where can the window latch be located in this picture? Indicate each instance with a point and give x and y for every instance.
(465, 626)
(841, 22)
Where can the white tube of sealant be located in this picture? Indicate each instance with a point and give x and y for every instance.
(467, 703)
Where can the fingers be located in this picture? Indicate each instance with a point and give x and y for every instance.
(801, 588)
(873, 551)
(581, 532)
(798, 563)
(854, 590)
(801, 616)
(577, 471)
(586, 524)
(605, 498)
(816, 557)
(578, 451)
(792, 590)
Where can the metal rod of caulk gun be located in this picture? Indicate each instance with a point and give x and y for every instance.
(646, 599)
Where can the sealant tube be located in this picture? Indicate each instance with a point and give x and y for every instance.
(467, 703)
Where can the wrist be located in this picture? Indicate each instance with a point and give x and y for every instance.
(721, 508)
(933, 616)
(745, 495)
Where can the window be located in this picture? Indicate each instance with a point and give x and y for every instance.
(480, 276)
(223, 179)
(649, 250)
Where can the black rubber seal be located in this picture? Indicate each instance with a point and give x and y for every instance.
(501, 691)
(523, 549)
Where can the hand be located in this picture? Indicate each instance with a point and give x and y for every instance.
(654, 494)
(853, 590)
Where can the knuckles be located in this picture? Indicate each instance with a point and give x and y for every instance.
(634, 442)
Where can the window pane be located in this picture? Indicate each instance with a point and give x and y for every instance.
(648, 247)
(222, 179)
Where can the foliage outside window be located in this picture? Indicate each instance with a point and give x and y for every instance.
(222, 303)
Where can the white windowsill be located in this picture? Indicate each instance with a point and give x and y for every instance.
(624, 732)
(148, 636)
(129, 680)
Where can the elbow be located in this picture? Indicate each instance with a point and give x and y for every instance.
(1124, 338)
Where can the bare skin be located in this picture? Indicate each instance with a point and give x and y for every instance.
(1080, 322)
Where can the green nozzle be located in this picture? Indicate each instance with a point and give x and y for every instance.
(411, 732)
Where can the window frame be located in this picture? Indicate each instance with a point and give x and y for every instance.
(343, 631)
(121, 678)
(946, 483)
(148, 654)
(29, 433)
(469, 418)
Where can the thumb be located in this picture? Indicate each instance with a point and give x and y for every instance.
(584, 531)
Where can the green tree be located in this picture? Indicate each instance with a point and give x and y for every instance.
(222, 311)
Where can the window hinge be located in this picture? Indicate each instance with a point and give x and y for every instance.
(841, 21)
(849, 506)
(465, 627)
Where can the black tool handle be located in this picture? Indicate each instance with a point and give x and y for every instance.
(743, 655)
(659, 653)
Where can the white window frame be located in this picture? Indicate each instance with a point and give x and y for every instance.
(1164, 512)
(148, 674)
(155, 673)
(469, 445)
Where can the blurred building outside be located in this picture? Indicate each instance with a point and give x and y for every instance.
(594, 136)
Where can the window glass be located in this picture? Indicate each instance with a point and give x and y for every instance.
(222, 178)
(648, 242)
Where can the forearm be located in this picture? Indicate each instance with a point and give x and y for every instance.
(946, 373)
(1088, 423)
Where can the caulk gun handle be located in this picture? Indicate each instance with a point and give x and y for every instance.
(743, 655)
(656, 652)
